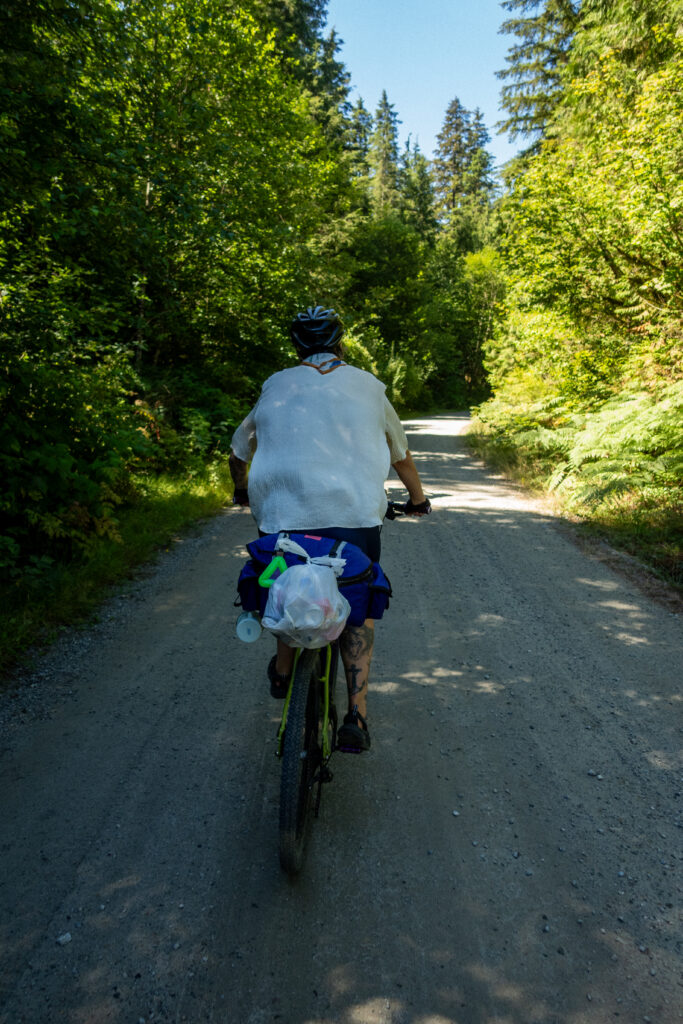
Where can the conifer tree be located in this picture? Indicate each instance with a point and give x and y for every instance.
(297, 25)
(477, 178)
(417, 192)
(462, 165)
(383, 157)
(310, 57)
(544, 30)
(462, 170)
(329, 87)
(452, 156)
(358, 135)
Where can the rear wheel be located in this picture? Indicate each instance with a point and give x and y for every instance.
(301, 760)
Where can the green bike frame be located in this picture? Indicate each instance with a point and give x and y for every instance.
(327, 749)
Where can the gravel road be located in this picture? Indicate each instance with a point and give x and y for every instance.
(508, 853)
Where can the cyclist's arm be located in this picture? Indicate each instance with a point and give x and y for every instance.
(238, 471)
(394, 432)
(410, 478)
(243, 446)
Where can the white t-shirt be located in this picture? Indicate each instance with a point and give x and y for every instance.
(321, 445)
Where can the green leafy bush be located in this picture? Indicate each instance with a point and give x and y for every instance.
(67, 435)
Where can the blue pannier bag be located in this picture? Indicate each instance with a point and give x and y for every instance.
(362, 582)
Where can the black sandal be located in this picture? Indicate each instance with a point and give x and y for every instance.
(353, 736)
(279, 684)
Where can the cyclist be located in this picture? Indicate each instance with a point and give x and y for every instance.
(320, 440)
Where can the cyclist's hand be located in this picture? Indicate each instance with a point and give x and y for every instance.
(423, 509)
(241, 497)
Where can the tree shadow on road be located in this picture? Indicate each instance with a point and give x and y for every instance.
(505, 855)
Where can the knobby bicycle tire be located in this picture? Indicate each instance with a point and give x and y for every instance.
(301, 756)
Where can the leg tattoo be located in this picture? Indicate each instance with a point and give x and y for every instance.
(356, 685)
(357, 641)
(356, 651)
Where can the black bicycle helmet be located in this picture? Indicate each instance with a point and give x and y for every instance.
(316, 330)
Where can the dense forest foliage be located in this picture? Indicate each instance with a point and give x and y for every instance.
(586, 369)
(178, 177)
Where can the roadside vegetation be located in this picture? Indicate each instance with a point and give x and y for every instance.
(71, 590)
(586, 369)
(179, 177)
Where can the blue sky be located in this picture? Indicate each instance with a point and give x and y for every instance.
(424, 53)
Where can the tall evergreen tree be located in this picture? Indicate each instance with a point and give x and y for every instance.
(309, 56)
(383, 157)
(358, 135)
(478, 182)
(452, 156)
(544, 30)
(297, 25)
(329, 87)
(462, 170)
(417, 192)
(462, 165)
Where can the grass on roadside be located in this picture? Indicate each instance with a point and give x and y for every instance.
(68, 593)
(646, 523)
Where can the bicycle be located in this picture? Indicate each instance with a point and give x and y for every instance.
(306, 740)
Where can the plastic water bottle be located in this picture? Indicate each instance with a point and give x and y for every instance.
(249, 627)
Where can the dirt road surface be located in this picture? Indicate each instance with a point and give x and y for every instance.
(508, 852)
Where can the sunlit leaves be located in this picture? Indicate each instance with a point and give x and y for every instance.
(162, 176)
(598, 213)
(586, 371)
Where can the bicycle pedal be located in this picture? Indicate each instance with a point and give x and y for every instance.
(350, 750)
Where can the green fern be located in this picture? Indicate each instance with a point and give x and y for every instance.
(630, 443)
(619, 466)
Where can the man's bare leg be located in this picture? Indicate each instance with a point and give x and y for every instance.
(356, 645)
(284, 659)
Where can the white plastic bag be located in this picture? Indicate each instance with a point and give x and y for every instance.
(305, 608)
